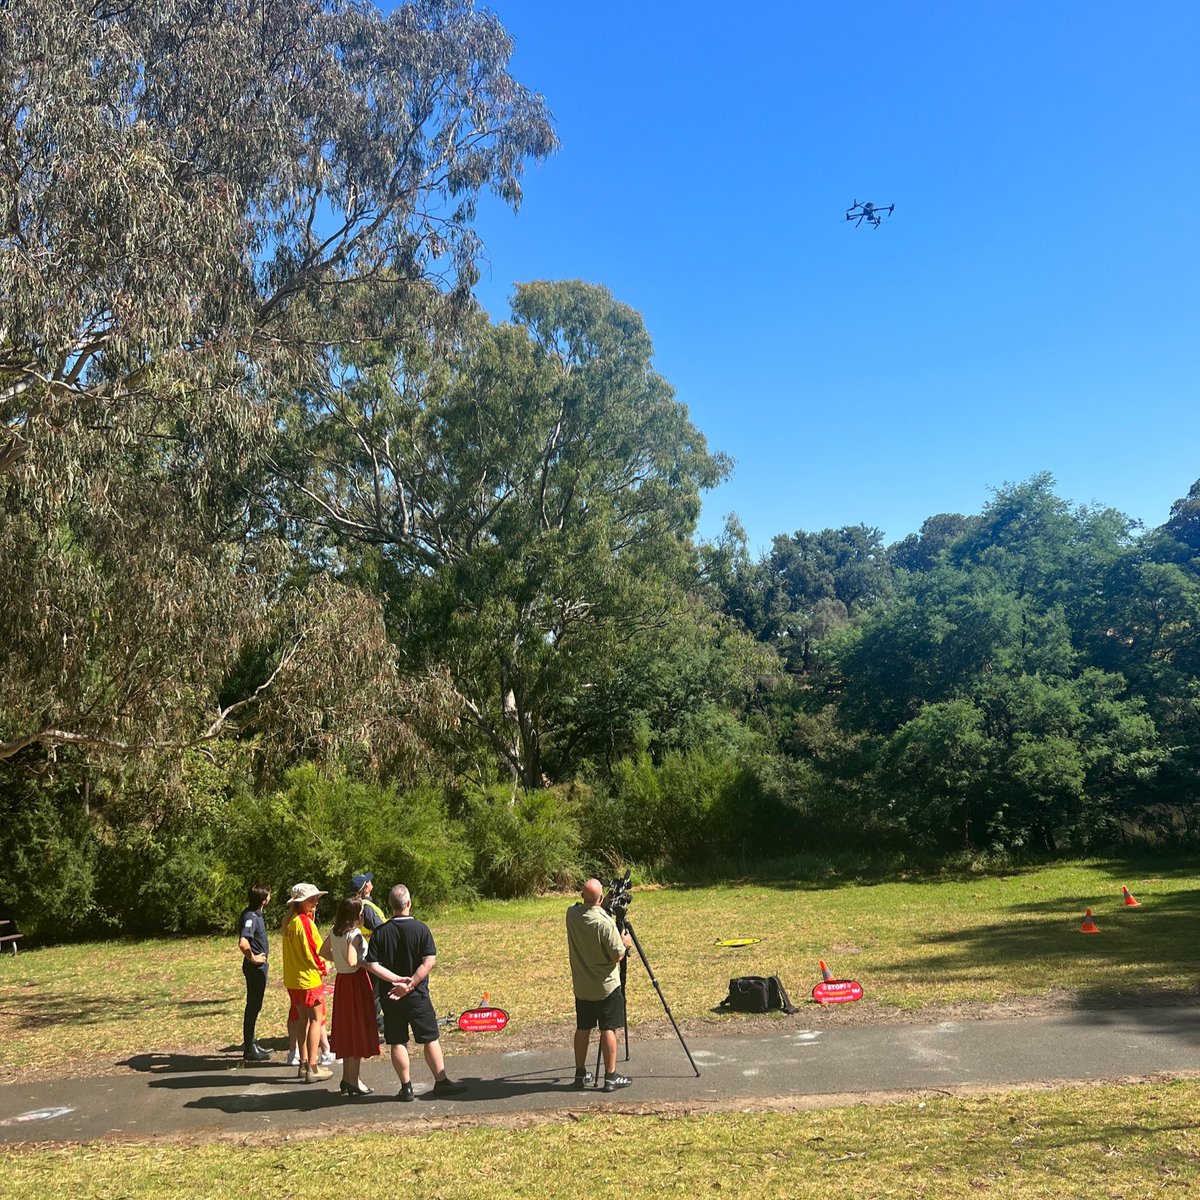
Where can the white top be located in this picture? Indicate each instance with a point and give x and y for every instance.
(338, 944)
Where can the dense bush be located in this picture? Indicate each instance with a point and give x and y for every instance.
(703, 806)
(322, 827)
(49, 854)
(523, 843)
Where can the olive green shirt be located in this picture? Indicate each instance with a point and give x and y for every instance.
(593, 943)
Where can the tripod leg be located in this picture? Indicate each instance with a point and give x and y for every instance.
(666, 1007)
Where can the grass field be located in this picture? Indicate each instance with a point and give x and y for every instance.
(911, 945)
(1118, 1143)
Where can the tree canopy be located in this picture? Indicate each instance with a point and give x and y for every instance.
(200, 203)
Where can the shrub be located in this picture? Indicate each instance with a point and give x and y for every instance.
(321, 827)
(706, 806)
(524, 843)
(49, 855)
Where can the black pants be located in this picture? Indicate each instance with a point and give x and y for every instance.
(256, 988)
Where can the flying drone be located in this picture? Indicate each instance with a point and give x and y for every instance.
(866, 211)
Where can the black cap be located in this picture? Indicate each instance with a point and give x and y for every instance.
(360, 881)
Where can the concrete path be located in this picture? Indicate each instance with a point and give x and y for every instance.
(170, 1095)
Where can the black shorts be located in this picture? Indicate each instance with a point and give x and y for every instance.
(417, 1011)
(608, 1013)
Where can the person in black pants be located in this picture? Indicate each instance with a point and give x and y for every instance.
(252, 942)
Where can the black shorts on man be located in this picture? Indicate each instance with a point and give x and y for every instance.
(608, 1013)
(415, 1011)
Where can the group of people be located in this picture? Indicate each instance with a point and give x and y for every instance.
(381, 990)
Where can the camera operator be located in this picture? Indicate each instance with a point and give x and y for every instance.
(596, 948)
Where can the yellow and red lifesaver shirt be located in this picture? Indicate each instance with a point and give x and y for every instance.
(303, 967)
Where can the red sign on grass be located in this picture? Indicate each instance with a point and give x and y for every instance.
(837, 991)
(483, 1020)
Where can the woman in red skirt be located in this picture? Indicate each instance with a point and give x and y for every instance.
(355, 1035)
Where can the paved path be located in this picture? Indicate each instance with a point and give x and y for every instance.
(170, 1095)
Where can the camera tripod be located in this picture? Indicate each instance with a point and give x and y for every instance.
(624, 926)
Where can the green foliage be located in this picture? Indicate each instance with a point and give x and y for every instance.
(50, 859)
(530, 499)
(706, 805)
(523, 842)
(321, 827)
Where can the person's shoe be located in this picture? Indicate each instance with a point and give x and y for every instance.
(447, 1087)
(293, 1059)
(584, 1078)
(255, 1053)
(355, 1089)
(406, 1092)
(328, 1058)
(317, 1074)
(614, 1083)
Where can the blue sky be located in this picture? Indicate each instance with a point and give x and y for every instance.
(1032, 304)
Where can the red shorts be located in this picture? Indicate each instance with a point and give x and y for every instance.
(303, 998)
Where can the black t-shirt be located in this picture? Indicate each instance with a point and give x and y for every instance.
(253, 928)
(401, 944)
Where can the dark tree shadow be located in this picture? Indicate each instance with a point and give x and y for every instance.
(40, 1011)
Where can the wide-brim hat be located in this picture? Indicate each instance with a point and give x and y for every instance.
(304, 891)
(360, 881)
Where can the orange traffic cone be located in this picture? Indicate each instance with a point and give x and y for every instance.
(1131, 901)
(1088, 926)
(826, 973)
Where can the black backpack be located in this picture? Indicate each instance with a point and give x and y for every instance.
(758, 994)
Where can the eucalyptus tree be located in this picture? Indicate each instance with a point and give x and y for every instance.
(187, 190)
(529, 504)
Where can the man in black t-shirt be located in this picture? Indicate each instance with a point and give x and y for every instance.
(252, 942)
(401, 953)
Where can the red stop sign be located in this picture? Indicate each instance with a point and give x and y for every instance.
(837, 991)
(483, 1020)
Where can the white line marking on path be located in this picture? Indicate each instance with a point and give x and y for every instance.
(37, 1114)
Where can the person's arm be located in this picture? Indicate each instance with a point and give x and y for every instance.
(310, 944)
(381, 972)
(405, 987)
(618, 943)
(248, 951)
(325, 949)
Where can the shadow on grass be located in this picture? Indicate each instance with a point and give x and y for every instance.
(814, 872)
(1136, 951)
(41, 1011)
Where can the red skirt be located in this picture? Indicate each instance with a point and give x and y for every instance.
(355, 1033)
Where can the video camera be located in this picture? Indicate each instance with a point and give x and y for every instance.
(619, 897)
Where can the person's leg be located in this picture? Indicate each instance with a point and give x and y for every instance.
(324, 1030)
(400, 1065)
(256, 986)
(608, 1048)
(434, 1060)
(582, 1038)
(350, 1070)
(311, 1053)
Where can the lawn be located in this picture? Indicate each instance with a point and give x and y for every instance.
(912, 944)
(1113, 1142)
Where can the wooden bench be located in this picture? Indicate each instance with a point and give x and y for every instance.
(10, 935)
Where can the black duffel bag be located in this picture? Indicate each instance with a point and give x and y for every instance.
(758, 994)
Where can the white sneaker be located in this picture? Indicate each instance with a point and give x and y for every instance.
(294, 1058)
(327, 1058)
